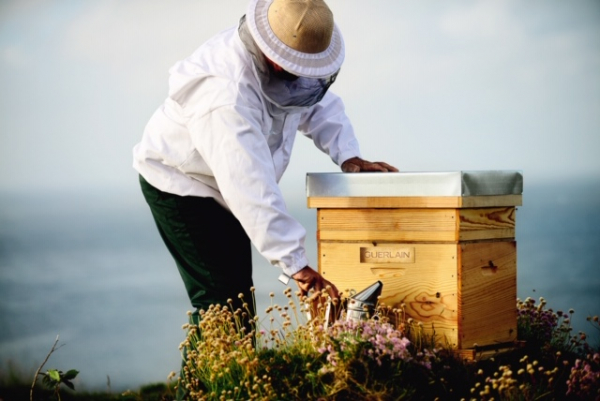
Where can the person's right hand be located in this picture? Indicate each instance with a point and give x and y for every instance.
(308, 279)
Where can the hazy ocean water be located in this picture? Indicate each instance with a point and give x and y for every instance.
(92, 269)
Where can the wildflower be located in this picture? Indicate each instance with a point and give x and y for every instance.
(583, 381)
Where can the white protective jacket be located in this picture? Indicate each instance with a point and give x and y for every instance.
(216, 136)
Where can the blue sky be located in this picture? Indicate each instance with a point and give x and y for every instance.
(429, 85)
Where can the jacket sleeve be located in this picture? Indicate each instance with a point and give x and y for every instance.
(230, 141)
(330, 129)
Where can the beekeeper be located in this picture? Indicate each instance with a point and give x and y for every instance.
(212, 155)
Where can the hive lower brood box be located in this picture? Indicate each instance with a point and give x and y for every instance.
(443, 244)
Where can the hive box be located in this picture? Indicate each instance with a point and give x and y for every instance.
(442, 243)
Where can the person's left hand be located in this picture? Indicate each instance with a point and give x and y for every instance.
(309, 279)
(356, 164)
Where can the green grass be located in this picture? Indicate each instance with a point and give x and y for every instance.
(20, 390)
(287, 357)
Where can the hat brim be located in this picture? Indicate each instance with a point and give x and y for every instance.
(311, 65)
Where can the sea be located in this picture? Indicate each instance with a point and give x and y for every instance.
(88, 268)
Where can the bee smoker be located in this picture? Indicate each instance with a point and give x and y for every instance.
(361, 306)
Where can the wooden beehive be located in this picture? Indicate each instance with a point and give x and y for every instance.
(442, 244)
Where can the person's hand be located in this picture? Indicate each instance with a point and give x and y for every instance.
(308, 279)
(356, 164)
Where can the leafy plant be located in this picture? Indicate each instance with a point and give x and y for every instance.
(53, 378)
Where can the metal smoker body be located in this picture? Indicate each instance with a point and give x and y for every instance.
(361, 306)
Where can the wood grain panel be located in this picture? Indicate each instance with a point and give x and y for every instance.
(487, 223)
(427, 287)
(487, 293)
(400, 236)
(387, 224)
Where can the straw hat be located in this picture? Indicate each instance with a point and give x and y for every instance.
(298, 35)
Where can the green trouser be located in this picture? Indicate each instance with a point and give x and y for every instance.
(209, 245)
